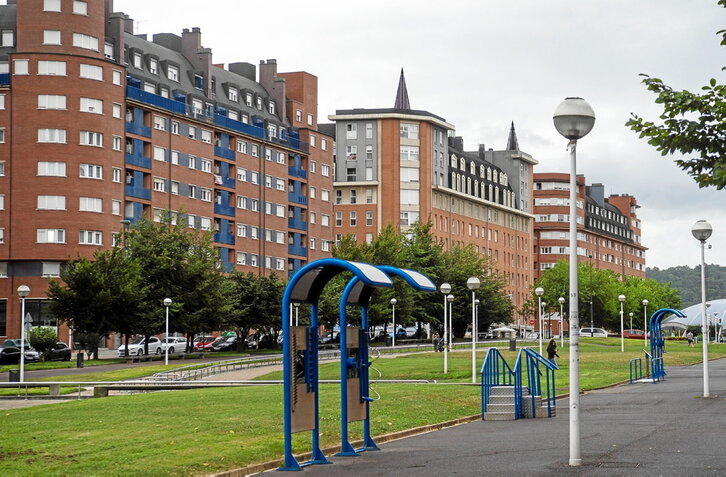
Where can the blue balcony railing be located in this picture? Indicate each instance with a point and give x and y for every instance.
(139, 161)
(224, 152)
(297, 171)
(139, 129)
(221, 209)
(138, 192)
(5, 79)
(224, 238)
(297, 250)
(297, 224)
(228, 123)
(156, 100)
(297, 198)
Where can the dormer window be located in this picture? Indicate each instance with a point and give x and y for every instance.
(172, 72)
(259, 103)
(153, 66)
(248, 99)
(232, 94)
(271, 107)
(199, 81)
(136, 60)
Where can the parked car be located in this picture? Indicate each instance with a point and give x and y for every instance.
(411, 331)
(207, 343)
(59, 352)
(137, 345)
(12, 353)
(634, 334)
(595, 332)
(177, 344)
(329, 338)
(229, 344)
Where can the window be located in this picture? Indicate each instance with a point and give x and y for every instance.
(205, 223)
(325, 220)
(408, 218)
(312, 217)
(206, 136)
(325, 170)
(20, 67)
(369, 196)
(271, 107)
(248, 99)
(51, 101)
(175, 127)
(232, 94)
(91, 171)
(409, 153)
(324, 144)
(52, 136)
(259, 103)
(51, 269)
(325, 246)
(116, 143)
(192, 162)
(90, 138)
(90, 237)
(409, 131)
(153, 66)
(325, 195)
(241, 147)
(409, 174)
(90, 204)
(369, 153)
(205, 194)
(90, 105)
(369, 173)
(206, 165)
(51, 5)
(57, 169)
(351, 152)
(369, 217)
(149, 87)
(91, 72)
(351, 131)
(338, 196)
(116, 175)
(175, 157)
(2, 101)
(116, 77)
(172, 72)
(272, 130)
(159, 184)
(2, 201)
(409, 197)
(339, 219)
(160, 123)
(50, 236)
(350, 174)
(80, 7)
(51, 37)
(312, 243)
(369, 130)
(159, 154)
(53, 68)
(255, 150)
(241, 258)
(353, 219)
(116, 207)
(51, 202)
(298, 115)
(310, 120)
(85, 41)
(2, 168)
(281, 158)
(312, 141)
(192, 132)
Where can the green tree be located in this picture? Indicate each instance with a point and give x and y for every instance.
(690, 124)
(43, 339)
(257, 301)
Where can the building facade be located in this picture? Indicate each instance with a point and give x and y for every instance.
(399, 165)
(608, 236)
(100, 127)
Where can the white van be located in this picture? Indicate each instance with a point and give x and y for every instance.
(594, 332)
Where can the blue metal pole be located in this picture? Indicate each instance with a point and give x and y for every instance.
(368, 443)
(345, 448)
(317, 455)
(290, 462)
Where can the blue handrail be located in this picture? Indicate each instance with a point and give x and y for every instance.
(494, 372)
(534, 382)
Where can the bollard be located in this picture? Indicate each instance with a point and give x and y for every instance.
(79, 360)
(513, 344)
(14, 376)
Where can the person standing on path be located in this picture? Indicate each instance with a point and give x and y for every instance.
(689, 337)
(552, 350)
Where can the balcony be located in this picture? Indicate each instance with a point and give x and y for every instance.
(297, 171)
(224, 238)
(138, 161)
(156, 100)
(297, 224)
(139, 129)
(297, 250)
(5, 79)
(224, 152)
(220, 209)
(137, 192)
(297, 198)
(235, 125)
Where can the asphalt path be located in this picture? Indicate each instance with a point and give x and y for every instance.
(666, 428)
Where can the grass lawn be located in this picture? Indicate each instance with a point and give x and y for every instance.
(197, 432)
(59, 364)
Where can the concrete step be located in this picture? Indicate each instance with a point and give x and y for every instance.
(542, 411)
(501, 391)
(505, 399)
(499, 416)
(500, 407)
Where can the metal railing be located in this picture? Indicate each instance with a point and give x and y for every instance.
(636, 369)
(534, 379)
(494, 372)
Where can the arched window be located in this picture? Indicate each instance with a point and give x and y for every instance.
(476, 188)
(468, 185)
(462, 164)
(489, 173)
(454, 161)
(472, 168)
(481, 172)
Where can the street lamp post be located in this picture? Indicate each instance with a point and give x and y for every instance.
(476, 308)
(473, 284)
(23, 291)
(539, 291)
(589, 273)
(573, 119)
(561, 300)
(167, 304)
(445, 288)
(450, 299)
(544, 313)
(393, 315)
(622, 328)
(645, 322)
(631, 320)
(701, 231)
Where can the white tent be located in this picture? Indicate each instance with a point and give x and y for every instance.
(715, 312)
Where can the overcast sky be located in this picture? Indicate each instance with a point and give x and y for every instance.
(483, 63)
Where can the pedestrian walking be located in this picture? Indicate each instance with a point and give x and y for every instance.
(689, 337)
(552, 350)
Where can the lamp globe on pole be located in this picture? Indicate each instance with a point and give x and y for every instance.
(574, 118)
(701, 231)
(631, 319)
(473, 284)
(393, 316)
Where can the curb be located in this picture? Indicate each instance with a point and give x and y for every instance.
(393, 436)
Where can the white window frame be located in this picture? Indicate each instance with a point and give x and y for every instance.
(90, 171)
(52, 37)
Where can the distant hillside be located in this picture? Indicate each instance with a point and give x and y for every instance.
(687, 281)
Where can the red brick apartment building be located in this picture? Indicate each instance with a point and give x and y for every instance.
(399, 165)
(100, 126)
(608, 234)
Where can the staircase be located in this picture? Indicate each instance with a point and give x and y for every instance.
(505, 398)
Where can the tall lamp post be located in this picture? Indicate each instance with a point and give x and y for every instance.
(701, 231)
(645, 321)
(393, 315)
(544, 316)
(23, 291)
(622, 327)
(589, 273)
(476, 308)
(573, 119)
(450, 299)
(473, 284)
(167, 304)
(445, 288)
(561, 300)
(539, 291)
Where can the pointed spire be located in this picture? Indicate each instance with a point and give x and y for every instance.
(402, 94)
(512, 144)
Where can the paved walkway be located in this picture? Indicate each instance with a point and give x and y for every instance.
(641, 429)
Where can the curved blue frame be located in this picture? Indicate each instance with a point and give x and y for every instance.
(305, 286)
(358, 293)
(657, 341)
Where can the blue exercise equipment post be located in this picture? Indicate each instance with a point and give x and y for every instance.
(657, 341)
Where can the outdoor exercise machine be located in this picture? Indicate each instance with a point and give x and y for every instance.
(657, 341)
(300, 349)
(354, 365)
